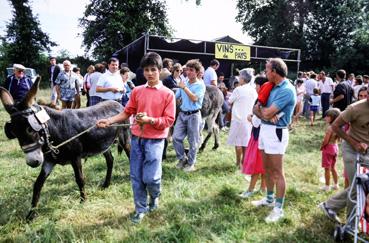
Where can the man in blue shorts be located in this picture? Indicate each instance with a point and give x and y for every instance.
(273, 138)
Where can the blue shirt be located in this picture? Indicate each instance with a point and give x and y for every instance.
(198, 89)
(18, 88)
(282, 96)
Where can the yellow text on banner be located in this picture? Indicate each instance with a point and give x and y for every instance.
(232, 51)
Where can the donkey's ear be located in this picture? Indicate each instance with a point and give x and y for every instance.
(30, 96)
(6, 99)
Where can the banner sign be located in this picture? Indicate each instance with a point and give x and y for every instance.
(232, 52)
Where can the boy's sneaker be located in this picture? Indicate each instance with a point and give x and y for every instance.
(181, 164)
(275, 215)
(325, 188)
(332, 215)
(153, 204)
(189, 168)
(263, 202)
(246, 194)
(137, 218)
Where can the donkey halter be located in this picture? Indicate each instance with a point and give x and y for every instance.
(37, 118)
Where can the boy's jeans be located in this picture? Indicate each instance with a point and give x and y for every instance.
(145, 170)
(187, 125)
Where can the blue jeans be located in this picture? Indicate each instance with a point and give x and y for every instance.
(145, 170)
(187, 125)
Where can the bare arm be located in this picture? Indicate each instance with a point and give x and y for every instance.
(326, 138)
(103, 89)
(102, 123)
(265, 113)
(188, 92)
(214, 82)
(336, 127)
(338, 98)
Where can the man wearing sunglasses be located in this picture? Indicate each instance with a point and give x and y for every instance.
(18, 84)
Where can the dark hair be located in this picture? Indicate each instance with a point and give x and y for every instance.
(278, 66)
(124, 70)
(76, 69)
(50, 58)
(364, 88)
(113, 59)
(316, 91)
(300, 74)
(359, 79)
(214, 62)
(151, 59)
(194, 63)
(299, 81)
(166, 62)
(313, 76)
(341, 74)
(260, 80)
(99, 67)
(221, 74)
(333, 113)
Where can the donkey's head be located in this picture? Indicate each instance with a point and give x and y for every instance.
(25, 125)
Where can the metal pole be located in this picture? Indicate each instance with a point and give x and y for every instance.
(298, 61)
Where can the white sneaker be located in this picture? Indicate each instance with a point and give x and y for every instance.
(325, 188)
(262, 202)
(275, 215)
(246, 194)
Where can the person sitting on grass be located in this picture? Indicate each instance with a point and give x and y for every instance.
(329, 150)
(153, 104)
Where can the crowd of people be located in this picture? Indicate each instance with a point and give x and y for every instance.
(259, 109)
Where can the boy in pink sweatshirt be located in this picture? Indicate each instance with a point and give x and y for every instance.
(153, 106)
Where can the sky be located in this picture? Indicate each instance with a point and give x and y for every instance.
(210, 20)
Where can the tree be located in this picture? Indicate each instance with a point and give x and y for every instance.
(109, 25)
(332, 27)
(320, 28)
(24, 40)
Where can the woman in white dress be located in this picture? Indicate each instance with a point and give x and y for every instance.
(242, 100)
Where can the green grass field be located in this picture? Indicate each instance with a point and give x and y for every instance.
(202, 206)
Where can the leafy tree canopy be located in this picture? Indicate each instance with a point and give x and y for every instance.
(24, 40)
(320, 28)
(111, 24)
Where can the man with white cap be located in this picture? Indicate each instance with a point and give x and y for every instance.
(18, 84)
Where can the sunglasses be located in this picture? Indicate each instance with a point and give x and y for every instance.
(178, 70)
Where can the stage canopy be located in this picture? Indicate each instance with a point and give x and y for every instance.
(226, 49)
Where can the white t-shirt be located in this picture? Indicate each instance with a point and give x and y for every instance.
(242, 100)
(110, 80)
(209, 75)
(93, 78)
(327, 86)
(310, 85)
(315, 100)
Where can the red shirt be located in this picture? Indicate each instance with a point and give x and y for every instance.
(158, 102)
(264, 93)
